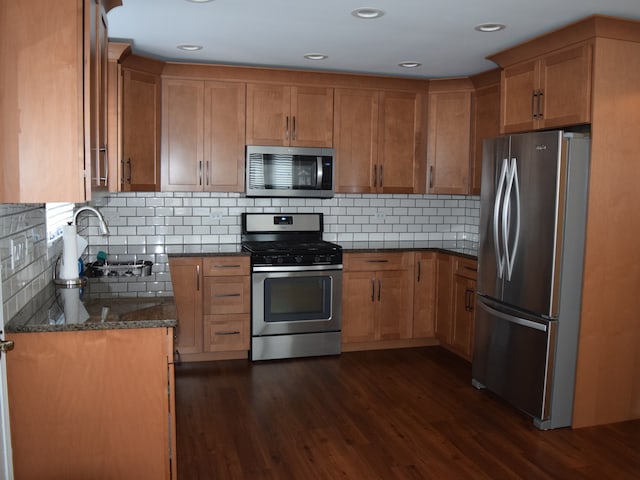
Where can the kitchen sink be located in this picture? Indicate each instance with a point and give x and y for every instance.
(127, 310)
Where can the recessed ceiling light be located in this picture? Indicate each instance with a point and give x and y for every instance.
(189, 48)
(367, 13)
(199, 1)
(409, 64)
(490, 27)
(315, 56)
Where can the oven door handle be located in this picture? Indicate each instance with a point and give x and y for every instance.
(295, 268)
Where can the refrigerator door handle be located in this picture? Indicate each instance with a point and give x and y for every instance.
(510, 318)
(496, 216)
(507, 217)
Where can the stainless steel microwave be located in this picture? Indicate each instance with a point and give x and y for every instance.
(289, 172)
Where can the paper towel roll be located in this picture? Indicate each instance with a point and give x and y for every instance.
(69, 264)
(74, 310)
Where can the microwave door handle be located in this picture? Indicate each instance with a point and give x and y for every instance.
(318, 173)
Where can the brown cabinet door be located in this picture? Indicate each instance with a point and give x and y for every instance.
(226, 333)
(140, 127)
(311, 122)
(444, 321)
(224, 136)
(486, 124)
(268, 114)
(463, 315)
(224, 295)
(424, 298)
(186, 278)
(356, 140)
(448, 160)
(399, 143)
(358, 306)
(517, 101)
(565, 86)
(394, 297)
(182, 135)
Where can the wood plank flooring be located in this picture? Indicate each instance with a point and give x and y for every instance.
(391, 414)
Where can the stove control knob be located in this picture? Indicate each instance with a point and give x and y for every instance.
(298, 259)
(279, 260)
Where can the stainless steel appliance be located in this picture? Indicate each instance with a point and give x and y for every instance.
(296, 280)
(289, 172)
(530, 264)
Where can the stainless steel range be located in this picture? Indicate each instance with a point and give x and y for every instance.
(296, 299)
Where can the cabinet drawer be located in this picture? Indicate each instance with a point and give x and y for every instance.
(227, 295)
(225, 266)
(465, 267)
(367, 262)
(226, 332)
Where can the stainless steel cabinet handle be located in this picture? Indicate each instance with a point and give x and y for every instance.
(293, 130)
(373, 289)
(430, 176)
(228, 333)
(540, 112)
(286, 127)
(377, 261)
(379, 288)
(227, 265)
(381, 182)
(122, 170)
(197, 278)
(200, 172)
(375, 175)
(130, 172)
(533, 105)
(207, 173)
(419, 270)
(225, 295)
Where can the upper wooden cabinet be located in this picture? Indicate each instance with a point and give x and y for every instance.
(289, 115)
(552, 90)
(379, 141)
(202, 135)
(449, 136)
(139, 165)
(485, 120)
(53, 112)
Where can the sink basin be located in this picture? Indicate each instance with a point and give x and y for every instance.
(127, 310)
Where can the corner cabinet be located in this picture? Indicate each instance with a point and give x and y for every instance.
(289, 115)
(203, 136)
(93, 403)
(377, 297)
(53, 118)
(380, 141)
(449, 136)
(213, 300)
(552, 90)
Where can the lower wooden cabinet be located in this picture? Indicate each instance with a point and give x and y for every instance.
(456, 304)
(424, 294)
(377, 299)
(213, 299)
(93, 404)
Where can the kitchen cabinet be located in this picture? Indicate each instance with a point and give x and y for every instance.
(227, 303)
(424, 295)
(456, 303)
(549, 91)
(53, 114)
(139, 162)
(93, 404)
(377, 297)
(380, 141)
(203, 124)
(186, 279)
(449, 136)
(213, 299)
(485, 120)
(289, 115)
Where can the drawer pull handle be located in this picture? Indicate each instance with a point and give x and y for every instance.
(224, 295)
(377, 261)
(227, 333)
(224, 265)
(467, 267)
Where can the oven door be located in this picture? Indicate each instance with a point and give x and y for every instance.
(289, 300)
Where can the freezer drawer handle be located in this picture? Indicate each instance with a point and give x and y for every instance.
(512, 319)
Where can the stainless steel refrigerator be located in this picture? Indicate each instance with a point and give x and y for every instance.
(530, 263)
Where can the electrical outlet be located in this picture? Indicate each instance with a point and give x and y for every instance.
(19, 251)
(379, 216)
(215, 215)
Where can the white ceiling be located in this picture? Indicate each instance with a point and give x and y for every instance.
(439, 34)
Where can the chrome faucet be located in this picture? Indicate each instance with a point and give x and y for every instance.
(104, 229)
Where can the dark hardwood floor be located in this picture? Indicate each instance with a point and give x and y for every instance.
(394, 414)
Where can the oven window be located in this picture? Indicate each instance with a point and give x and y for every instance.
(297, 299)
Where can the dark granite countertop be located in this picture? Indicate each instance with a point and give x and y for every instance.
(68, 309)
(459, 247)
